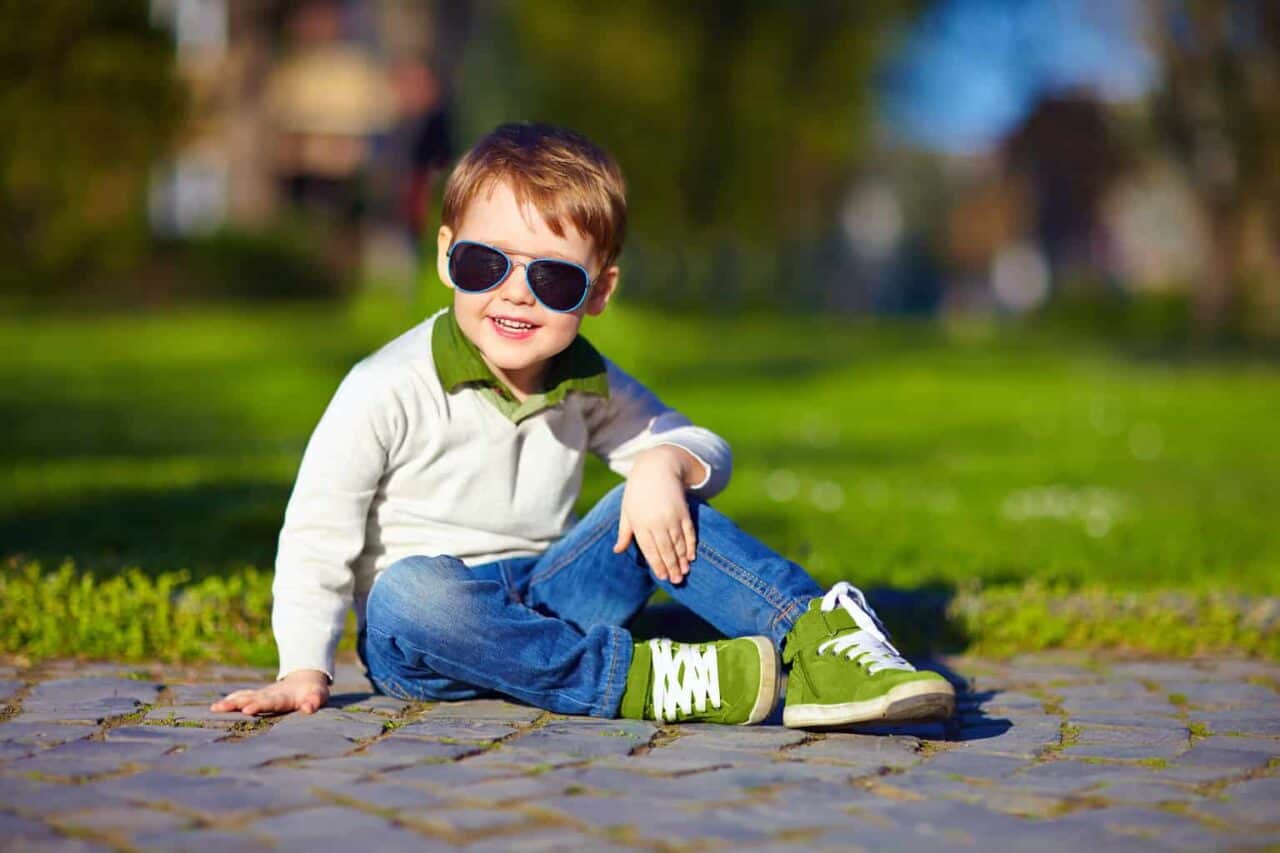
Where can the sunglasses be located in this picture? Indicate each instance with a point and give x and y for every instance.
(478, 267)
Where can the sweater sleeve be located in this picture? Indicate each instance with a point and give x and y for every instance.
(634, 420)
(324, 524)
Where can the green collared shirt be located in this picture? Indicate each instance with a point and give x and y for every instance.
(579, 367)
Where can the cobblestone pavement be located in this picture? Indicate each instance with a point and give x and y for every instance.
(1046, 752)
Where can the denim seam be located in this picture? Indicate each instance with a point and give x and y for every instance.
(389, 684)
(608, 705)
(392, 687)
(796, 604)
(767, 592)
(565, 561)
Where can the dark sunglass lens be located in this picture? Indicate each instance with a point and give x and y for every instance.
(560, 286)
(475, 268)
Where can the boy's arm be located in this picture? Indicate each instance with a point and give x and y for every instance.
(633, 420)
(323, 534)
(324, 524)
(662, 455)
(655, 512)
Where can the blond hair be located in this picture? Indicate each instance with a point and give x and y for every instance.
(560, 173)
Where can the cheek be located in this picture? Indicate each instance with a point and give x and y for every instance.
(565, 326)
(469, 311)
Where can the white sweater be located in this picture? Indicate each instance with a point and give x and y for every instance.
(398, 467)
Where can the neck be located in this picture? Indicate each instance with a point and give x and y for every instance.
(521, 383)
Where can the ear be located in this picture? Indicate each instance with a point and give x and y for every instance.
(444, 239)
(601, 291)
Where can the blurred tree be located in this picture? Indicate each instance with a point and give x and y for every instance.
(90, 100)
(738, 122)
(1068, 151)
(1220, 107)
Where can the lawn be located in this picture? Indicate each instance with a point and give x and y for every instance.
(1030, 493)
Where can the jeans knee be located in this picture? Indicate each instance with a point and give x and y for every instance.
(413, 593)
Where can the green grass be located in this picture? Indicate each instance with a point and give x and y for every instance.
(959, 463)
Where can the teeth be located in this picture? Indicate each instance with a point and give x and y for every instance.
(512, 324)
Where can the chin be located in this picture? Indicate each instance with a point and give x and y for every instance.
(514, 364)
(503, 358)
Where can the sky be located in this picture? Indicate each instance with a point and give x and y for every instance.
(970, 70)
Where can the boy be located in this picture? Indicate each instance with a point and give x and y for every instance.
(464, 439)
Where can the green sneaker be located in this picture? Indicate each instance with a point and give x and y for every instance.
(844, 669)
(729, 681)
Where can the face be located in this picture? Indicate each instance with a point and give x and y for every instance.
(515, 334)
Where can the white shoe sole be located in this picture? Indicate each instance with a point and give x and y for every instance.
(767, 697)
(915, 700)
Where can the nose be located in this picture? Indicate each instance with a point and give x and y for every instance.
(515, 287)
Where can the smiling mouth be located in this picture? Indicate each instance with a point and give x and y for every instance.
(512, 329)
(513, 325)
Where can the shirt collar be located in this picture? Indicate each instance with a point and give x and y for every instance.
(579, 367)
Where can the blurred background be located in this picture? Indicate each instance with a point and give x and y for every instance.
(1017, 262)
(934, 158)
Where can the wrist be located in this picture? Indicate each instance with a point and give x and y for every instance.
(687, 468)
(308, 677)
(662, 462)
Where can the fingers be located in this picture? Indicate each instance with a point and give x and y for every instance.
(267, 702)
(624, 535)
(683, 541)
(271, 700)
(679, 562)
(652, 556)
(667, 553)
(690, 539)
(252, 702)
(664, 533)
(664, 553)
(232, 701)
(312, 702)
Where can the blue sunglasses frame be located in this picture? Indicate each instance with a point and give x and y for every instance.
(511, 265)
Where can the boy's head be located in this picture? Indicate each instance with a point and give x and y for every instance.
(530, 192)
(567, 179)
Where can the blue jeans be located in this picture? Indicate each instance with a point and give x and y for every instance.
(547, 630)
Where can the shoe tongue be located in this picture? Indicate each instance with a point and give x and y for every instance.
(838, 620)
(815, 627)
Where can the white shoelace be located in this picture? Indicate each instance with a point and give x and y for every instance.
(683, 691)
(869, 642)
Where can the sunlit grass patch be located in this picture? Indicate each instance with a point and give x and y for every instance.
(1018, 487)
(133, 616)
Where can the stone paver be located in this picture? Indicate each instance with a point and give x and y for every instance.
(1046, 752)
(43, 734)
(332, 827)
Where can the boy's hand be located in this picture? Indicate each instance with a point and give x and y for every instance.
(305, 690)
(656, 514)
